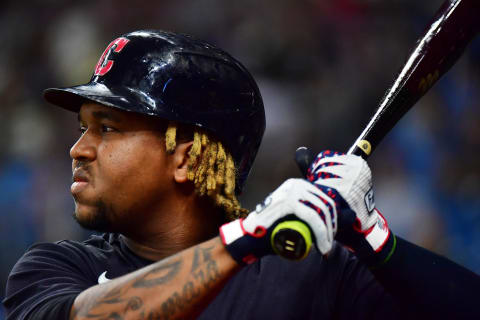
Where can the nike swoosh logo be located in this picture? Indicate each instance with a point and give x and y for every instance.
(103, 278)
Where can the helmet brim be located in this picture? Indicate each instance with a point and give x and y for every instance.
(72, 98)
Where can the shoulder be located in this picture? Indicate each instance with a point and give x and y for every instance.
(48, 275)
(67, 252)
(62, 256)
(93, 245)
(84, 261)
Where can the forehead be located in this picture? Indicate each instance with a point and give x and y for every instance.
(96, 110)
(92, 111)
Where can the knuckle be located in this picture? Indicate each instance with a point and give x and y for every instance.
(289, 183)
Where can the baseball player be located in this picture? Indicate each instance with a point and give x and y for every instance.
(169, 129)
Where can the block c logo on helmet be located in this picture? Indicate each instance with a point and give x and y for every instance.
(104, 65)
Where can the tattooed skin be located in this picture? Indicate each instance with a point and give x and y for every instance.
(208, 275)
(204, 277)
(188, 278)
(167, 273)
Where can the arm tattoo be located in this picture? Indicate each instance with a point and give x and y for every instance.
(205, 277)
(113, 296)
(210, 274)
(204, 273)
(167, 272)
(157, 276)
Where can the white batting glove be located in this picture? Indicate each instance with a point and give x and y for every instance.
(350, 177)
(249, 239)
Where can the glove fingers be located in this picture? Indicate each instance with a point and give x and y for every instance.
(323, 238)
(319, 217)
(339, 167)
(316, 193)
(325, 205)
(319, 211)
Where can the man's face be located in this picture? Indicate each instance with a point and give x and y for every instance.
(120, 168)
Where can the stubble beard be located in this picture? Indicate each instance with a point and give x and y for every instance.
(99, 221)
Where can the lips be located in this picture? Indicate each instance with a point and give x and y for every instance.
(80, 181)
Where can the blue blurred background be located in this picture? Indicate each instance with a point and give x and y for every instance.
(322, 66)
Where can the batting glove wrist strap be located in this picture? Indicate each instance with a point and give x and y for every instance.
(244, 247)
(380, 258)
(377, 235)
(371, 245)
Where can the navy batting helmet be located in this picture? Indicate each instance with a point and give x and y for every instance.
(177, 78)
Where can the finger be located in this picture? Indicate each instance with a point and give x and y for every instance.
(316, 204)
(319, 195)
(341, 162)
(323, 236)
(318, 210)
(325, 204)
(335, 184)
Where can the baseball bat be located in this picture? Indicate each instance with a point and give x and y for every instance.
(455, 24)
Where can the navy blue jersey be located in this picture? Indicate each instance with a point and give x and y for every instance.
(45, 281)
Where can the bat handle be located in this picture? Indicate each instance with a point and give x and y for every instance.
(292, 239)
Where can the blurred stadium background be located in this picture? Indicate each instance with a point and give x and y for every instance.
(322, 66)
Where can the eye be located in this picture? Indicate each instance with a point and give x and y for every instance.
(82, 130)
(106, 128)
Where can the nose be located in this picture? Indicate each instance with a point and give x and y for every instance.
(84, 149)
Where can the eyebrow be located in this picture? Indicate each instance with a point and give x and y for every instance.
(99, 115)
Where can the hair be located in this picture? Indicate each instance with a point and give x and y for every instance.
(210, 167)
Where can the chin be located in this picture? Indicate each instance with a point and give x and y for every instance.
(92, 217)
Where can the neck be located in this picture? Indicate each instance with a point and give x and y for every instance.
(168, 233)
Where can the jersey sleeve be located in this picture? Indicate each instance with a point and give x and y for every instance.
(44, 283)
(358, 294)
(433, 286)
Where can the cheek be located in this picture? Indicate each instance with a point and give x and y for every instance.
(133, 167)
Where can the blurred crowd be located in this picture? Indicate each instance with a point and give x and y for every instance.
(321, 65)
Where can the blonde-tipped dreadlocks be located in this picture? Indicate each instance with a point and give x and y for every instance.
(212, 170)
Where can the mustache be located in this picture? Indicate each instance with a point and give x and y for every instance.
(78, 164)
(81, 169)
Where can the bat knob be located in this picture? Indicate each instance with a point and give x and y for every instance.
(291, 239)
(303, 158)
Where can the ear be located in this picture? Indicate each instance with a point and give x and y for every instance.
(180, 160)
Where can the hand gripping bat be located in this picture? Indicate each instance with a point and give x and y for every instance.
(455, 24)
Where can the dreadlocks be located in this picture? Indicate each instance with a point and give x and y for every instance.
(211, 168)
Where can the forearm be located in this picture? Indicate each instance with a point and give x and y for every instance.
(431, 284)
(180, 286)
